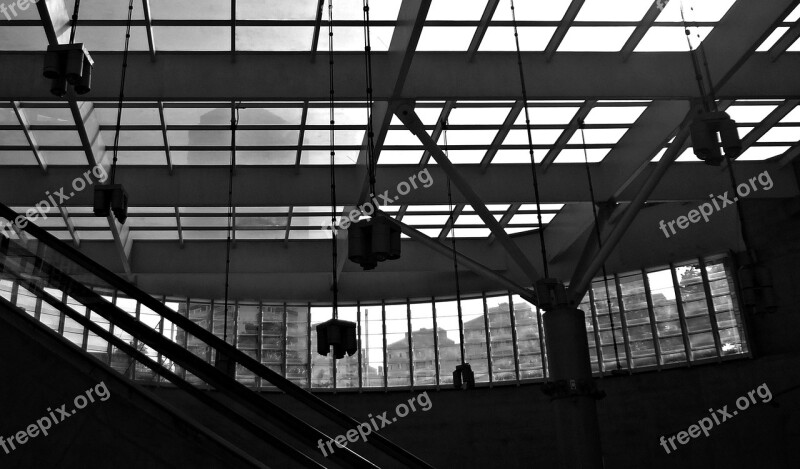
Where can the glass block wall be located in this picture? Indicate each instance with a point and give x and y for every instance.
(647, 319)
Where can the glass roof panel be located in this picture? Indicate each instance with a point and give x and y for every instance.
(470, 233)
(130, 115)
(9, 117)
(473, 219)
(478, 116)
(598, 136)
(323, 157)
(204, 138)
(625, 115)
(531, 218)
(400, 157)
(342, 116)
(190, 10)
(351, 38)
(575, 155)
(445, 38)
(382, 10)
(464, 156)
(266, 137)
(550, 10)
(201, 158)
(781, 135)
(287, 157)
(548, 115)
(670, 39)
(272, 38)
(467, 137)
(621, 10)
(22, 38)
(595, 38)
(695, 10)
(44, 116)
(112, 38)
(12, 138)
(426, 220)
(762, 153)
(341, 137)
(749, 114)
(792, 117)
(174, 115)
(429, 116)
(772, 39)
(531, 39)
(276, 9)
(402, 137)
(127, 138)
(269, 116)
(24, 158)
(539, 136)
(545, 207)
(793, 16)
(508, 156)
(192, 38)
(456, 10)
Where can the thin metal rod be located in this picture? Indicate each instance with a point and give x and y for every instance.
(542, 243)
(122, 91)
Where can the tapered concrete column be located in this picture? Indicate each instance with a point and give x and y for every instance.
(572, 388)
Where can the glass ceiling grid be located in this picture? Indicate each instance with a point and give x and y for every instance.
(280, 26)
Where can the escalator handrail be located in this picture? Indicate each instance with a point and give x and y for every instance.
(285, 385)
(167, 374)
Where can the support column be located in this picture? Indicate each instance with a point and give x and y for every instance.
(571, 388)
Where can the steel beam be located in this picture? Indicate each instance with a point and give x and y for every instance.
(480, 31)
(466, 262)
(151, 40)
(582, 278)
(785, 42)
(165, 135)
(498, 140)
(437, 130)
(88, 130)
(567, 134)
(32, 142)
(561, 31)
(291, 76)
(406, 114)
(638, 34)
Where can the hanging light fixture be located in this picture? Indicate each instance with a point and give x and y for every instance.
(376, 239)
(336, 333)
(712, 130)
(112, 198)
(69, 64)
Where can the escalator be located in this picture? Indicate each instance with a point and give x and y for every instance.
(71, 285)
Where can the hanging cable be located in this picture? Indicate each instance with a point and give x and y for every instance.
(371, 162)
(234, 125)
(599, 242)
(696, 64)
(452, 223)
(542, 243)
(122, 91)
(712, 103)
(334, 243)
(74, 21)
